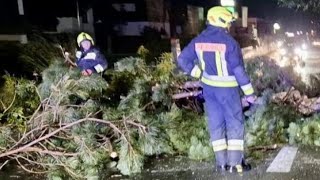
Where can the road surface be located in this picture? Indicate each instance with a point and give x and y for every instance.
(305, 166)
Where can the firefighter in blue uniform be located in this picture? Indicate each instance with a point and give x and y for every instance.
(89, 59)
(216, 59)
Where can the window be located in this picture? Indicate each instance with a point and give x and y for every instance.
(126, 7)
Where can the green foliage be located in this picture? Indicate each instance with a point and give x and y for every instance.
(68, 83)
(130, 160)
(267, 122)
(188, 133)
(305, 132)
(154, 142)
(131, 65)
(7, 91)
(143, 52)
(5, 135)
(165, 68)
(199, 150)
(19, 100)
(139, 118)
(38, 54)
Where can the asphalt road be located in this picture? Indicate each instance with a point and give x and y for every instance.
(305, 166)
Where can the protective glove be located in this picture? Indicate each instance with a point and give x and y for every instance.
(78, 54)
(86, 72)
(251, 99)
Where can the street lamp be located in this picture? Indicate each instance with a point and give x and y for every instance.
(276, 27)
(231, 3)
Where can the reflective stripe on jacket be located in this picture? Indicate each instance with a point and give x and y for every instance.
(216, 58)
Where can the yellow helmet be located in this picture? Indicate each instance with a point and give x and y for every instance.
(219, 16)
(84, 36)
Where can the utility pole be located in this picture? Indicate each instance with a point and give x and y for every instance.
(78, 15)
(23, 37)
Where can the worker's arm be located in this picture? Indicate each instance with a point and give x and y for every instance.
(101, 62)
(235, 60)
(186, 61)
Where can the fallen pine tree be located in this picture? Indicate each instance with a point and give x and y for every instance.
(89, 127)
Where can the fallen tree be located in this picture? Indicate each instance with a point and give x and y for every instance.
(91, 127)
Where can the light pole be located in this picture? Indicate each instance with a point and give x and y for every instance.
(78, 15)
(23, 37)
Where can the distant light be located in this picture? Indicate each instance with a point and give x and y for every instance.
(304, 46)
(276, 26)
(279, 43)
(283, 51)
(227, 2)
(297, 51)
(316, 43)
(290, 34)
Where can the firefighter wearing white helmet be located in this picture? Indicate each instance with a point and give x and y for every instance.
(89, 58)
(215, 58)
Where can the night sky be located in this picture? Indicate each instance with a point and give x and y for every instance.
(270, 10)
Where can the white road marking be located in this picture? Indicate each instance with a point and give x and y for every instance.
(283, 162)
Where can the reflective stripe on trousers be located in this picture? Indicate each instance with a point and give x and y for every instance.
(225, 123)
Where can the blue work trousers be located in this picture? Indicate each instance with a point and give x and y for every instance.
(225, 123)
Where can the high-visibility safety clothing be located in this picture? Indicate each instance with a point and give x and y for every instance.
(215, 58)
(92, 59)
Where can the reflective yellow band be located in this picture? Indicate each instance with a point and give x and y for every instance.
(247, 89)
(235, 148)
(236, 142)
(219, 83)
(196, 72)
(203, 64)
(220, 148)
(219, 142)
(218, 63)
(219, 145)
(224, 64)
(98, 68)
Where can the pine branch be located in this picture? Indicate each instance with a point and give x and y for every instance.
(26, 148)
(186, 95)
(11, 104)
(53, 153)
(6, 162)
(28, 170)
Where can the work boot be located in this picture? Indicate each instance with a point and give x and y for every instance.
(240, 168)
(221, 169)
(236, 169)
(245, 165)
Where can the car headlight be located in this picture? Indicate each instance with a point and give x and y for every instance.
(304, 46)
(297, 51)
(316, 43)
(283, 51)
